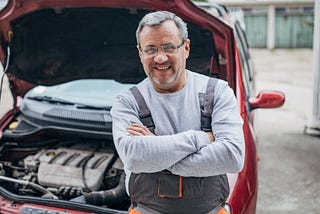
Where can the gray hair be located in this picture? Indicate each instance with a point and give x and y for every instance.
(156, 18)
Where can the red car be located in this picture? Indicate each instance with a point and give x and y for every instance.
(66, 61)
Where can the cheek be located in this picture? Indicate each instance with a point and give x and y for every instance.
(141, 58)
(181, 61)
(146, 65)
(186, 56)
(143, 61)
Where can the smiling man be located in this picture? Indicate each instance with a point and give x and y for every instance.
(165, 66)
(173, 164)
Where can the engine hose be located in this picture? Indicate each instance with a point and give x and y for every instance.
(107, 197)
(31, 184)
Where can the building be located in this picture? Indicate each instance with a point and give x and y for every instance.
(275, 23)
(285, 24)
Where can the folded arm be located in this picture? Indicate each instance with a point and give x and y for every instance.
(140, 150)
(226, 154)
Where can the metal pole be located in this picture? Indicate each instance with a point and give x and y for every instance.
(271, 27)
(314, 127)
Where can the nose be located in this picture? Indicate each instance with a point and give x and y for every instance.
(160, 57)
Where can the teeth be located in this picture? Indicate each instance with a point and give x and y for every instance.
(162, 67)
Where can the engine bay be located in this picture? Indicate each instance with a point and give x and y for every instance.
(80, 170)
(58, 145)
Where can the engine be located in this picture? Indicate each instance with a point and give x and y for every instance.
(69, 167)
(80, 172)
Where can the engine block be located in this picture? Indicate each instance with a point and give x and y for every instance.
(70, 167)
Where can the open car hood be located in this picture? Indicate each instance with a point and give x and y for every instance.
(47, 42)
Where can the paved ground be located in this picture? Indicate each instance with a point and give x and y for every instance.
(289, 172)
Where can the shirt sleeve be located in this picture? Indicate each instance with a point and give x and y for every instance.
(226, 153)
(147, 154)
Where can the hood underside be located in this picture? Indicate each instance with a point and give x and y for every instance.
(49, 47)
(53, 42)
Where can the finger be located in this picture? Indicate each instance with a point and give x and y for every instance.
(137, 125)
(134, 133)
(211, 137)
(136, 129)
(140, 129)
(146, 131)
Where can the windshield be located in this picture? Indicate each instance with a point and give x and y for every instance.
(91, 93)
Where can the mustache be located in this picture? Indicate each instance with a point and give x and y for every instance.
(163, 64)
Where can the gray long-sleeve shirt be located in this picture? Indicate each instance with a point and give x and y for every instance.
(179, 145)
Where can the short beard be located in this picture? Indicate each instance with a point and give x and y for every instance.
(167, 82)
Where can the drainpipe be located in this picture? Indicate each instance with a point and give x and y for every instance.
(313, 128)
(271, 27)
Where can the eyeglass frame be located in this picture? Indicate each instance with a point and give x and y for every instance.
(156, 49)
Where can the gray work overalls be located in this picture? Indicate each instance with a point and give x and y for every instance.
(167, 193)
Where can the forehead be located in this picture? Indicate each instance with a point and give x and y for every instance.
(167, 31)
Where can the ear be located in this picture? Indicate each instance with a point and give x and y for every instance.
(139, 53)
(187, 48)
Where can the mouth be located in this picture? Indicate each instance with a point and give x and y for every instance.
(162, 67)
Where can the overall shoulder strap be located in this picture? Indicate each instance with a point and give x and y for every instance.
(144, 112)
(206, 104)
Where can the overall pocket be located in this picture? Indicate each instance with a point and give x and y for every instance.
(169, 185)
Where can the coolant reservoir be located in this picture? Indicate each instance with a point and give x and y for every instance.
(13, 125)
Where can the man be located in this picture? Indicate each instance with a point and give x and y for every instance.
(179, 168)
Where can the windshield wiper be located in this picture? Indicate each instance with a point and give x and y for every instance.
(50, 99)
(64, 102)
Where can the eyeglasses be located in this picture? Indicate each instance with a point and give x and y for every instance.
(166, 48)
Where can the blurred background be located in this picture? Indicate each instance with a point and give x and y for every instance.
(284, 39)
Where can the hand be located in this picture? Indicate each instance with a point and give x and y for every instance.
(211, 137)
(137, 129)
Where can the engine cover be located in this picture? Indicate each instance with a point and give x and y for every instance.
(70, 167)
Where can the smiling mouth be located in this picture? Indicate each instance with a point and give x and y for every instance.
(162, 67)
